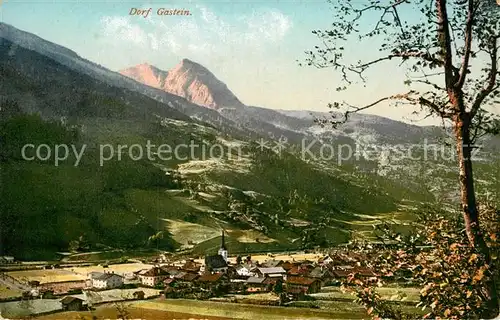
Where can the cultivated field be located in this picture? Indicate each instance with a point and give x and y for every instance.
(9, 292)
(44, 276)
(386, 293)
(110, 312)
(120, 269)
(75, 273)
(243, 311)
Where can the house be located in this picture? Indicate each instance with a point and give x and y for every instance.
(153, 276)
(172, 270)
(300, 270)
(277, 272)
(245, 270)
(186, 277)
(191, 266)
(271, 282)
(255, 284)
(364, 272)
(72, 303)
(287, 265)
(321, 273)
(182, 280)
(325, 260)
(296, 284)
(107, 280)
(341, 273)
(138, 295)
(215, 263)
(273, 263)
(208, 281)
(169, 282)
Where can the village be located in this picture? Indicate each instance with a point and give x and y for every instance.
(267, 280)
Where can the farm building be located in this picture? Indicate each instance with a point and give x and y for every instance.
(153, 276)
(105, 280)
(306, 285)
(276, 272)
(72, 304)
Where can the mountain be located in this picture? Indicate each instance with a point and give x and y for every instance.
(189, 80)
(265, 199)
(147, 74)
(200, 86)
(20, 39)
(59, 91)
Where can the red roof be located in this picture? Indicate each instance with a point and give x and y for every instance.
(191, 266)
(301, 280)
(341, 273)
(155, 272)
(299, 270)
(287, 265)
(364, 272)
(188, 277)
(210, 277)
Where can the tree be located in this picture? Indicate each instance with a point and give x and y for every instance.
(434, 254)
(451, 55)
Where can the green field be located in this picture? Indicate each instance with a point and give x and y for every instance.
(241, 311)
(394, 293)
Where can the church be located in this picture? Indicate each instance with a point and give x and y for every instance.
(218, 263)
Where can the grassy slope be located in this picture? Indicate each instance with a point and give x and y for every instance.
(124, 202)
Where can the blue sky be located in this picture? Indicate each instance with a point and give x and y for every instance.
(250, 45)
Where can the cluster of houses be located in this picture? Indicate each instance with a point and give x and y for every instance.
(293, 278)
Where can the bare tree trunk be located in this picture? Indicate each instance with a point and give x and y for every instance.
(468, 202)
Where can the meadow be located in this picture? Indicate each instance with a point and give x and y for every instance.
(194, 309)
(74, 273)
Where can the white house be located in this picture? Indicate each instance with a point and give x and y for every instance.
(153, 276)
(99, 280)
(325, 260)
(245, 270)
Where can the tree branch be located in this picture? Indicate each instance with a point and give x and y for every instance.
(492, 77)
(443, 32)
(468, 44)
(402, 96)
(404, 55)
(434, 107)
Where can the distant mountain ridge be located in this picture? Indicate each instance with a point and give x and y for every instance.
(195, 91)
(189, 80)
(198, 85)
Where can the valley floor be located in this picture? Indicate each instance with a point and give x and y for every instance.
(193, 309)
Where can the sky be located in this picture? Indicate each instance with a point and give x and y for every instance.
(251, 45)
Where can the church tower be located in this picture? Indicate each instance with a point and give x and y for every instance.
(223, 250)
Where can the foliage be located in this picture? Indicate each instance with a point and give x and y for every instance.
(435, 256)
(43, 203)
(450, 52)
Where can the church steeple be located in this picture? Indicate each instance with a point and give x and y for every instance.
(223, 250)
(223, 242)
